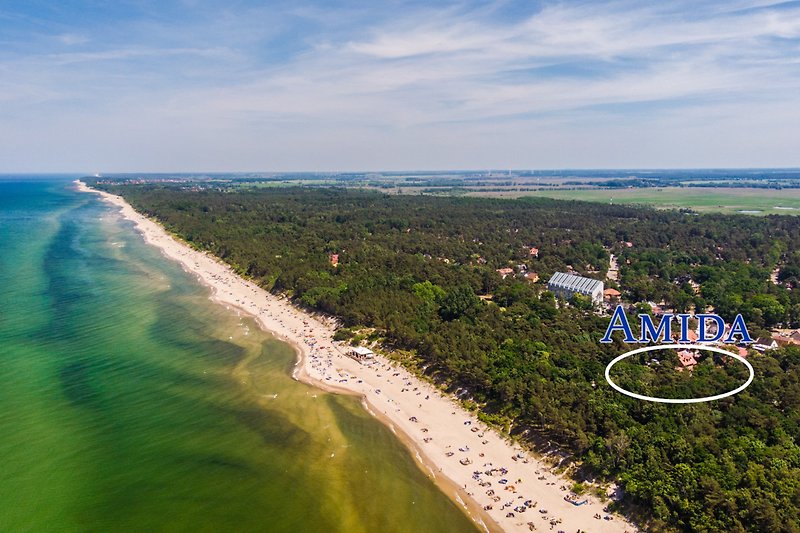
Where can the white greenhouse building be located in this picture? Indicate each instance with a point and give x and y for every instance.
(566, 285)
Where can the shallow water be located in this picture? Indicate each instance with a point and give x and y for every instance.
(131, 402)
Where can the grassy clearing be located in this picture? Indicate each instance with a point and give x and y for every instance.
(720, 200)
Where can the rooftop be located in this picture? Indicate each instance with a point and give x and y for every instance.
(574, 283)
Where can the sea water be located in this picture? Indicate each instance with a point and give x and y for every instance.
(129, 401)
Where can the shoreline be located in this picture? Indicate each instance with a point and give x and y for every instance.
(447, 442)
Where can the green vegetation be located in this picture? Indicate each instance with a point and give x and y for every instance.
(701, 199)
(421, 271)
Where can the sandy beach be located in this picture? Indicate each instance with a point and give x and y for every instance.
(502, 487)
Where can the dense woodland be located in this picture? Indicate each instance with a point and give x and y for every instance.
(418, 274)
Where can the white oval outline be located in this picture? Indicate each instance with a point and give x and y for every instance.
(679, 400)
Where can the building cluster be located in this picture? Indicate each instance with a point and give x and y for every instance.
(687, 358)
(761, 344)
(777, 340)
(520, 269)
(566, 285)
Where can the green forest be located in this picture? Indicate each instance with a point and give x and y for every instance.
(418, 274)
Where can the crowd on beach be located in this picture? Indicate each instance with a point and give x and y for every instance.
(506, 487)
(501, 495)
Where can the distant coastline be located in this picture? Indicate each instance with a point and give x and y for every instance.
(441, 435)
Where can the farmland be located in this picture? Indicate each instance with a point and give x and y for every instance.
(701, 199)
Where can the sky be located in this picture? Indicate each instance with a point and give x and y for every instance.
(194, 85)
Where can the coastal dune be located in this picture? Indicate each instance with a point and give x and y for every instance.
(472, 463)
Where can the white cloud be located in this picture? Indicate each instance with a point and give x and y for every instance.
(568, 85)
(72, 39)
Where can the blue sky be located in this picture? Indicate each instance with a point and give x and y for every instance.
(195, 85)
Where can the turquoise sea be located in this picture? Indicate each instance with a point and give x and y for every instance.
(130, 402)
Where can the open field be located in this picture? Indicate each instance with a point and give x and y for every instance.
(659, 191)
(721, 200)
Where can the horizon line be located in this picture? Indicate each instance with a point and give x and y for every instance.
(398, 171)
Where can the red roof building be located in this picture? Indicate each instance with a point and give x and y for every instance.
(690, 334)
(686, 358)
(334, 259)
(611, 293)
(505, 272)
(742, 351)
(786, 340)
(533, 252)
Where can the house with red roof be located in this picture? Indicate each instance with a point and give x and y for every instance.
(742, 351)
(611, 294)
(505, 272)
(690, 334)
(531, 277)
(686, 359)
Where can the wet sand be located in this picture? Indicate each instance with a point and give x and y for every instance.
(499, 485)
